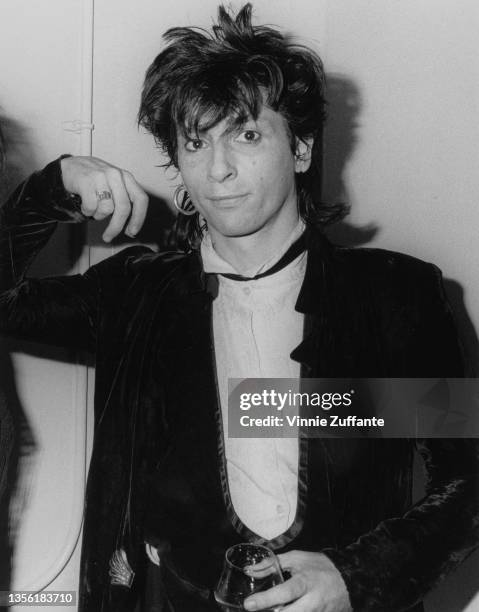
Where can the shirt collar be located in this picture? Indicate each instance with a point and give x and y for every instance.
(213, 263)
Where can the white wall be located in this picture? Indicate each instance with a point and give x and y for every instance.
(414, 170)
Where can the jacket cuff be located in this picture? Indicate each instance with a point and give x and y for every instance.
(43, 197)
(54, 200)
(358, 589)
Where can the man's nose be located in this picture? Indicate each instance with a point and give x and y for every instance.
(221, 164)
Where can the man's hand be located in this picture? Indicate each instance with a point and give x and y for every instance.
(106, 190)
(315, 586)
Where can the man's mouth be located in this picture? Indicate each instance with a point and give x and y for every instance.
(227, 198)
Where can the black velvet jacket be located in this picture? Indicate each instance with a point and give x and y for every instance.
(147, 318)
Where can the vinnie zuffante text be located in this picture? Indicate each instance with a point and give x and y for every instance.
(290, 401)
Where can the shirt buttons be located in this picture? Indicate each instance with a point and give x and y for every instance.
(246, 290)
(280, 509)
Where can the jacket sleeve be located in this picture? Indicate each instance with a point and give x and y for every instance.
(395, 565)
(59, 310)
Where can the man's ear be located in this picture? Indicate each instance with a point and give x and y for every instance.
(302, 156)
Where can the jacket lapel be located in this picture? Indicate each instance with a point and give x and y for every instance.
(185, 351)
(318, 349)
(341, 326)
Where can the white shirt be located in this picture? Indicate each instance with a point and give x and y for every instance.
(255, 328)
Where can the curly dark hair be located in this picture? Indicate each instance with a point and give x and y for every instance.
(203, 77)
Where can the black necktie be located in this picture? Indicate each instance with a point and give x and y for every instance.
(294, 251)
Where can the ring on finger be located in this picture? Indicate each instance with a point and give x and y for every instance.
(103, 195)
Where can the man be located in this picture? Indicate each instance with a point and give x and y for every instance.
(240, 113)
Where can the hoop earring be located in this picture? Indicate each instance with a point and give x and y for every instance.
(183, 202)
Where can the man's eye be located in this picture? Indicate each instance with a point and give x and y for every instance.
(194, 144)
(248, 136)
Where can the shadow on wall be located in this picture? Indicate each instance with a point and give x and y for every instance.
(341, 134)
(19, 155)
(17, 449)
(16, 440)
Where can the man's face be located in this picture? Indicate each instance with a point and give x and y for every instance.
(241, 178)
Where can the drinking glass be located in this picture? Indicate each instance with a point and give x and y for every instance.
(247, 569)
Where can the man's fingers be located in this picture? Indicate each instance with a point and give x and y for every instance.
(302, 604)
(96, 196)
(122, 205)
(103, 193)
(89, 200)
(261, 565)
(291, 561)
(284, 593)
(260, 572)
(265, 567)
(106, 206)
(139, 204)
(106, 190)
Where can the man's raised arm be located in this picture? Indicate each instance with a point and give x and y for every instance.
(60, 310)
